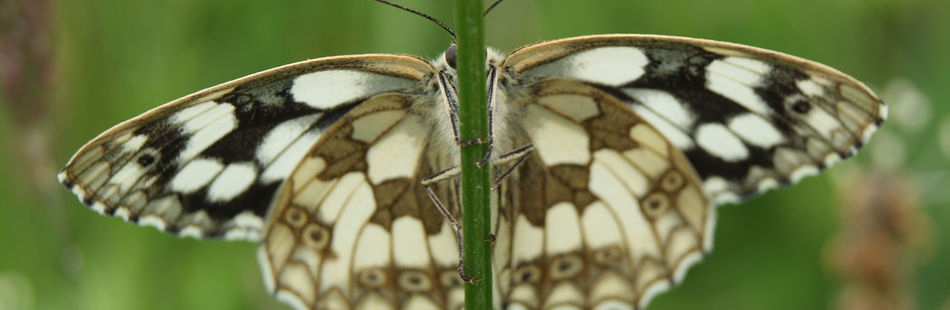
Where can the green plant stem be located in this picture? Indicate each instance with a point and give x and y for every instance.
(476, 190)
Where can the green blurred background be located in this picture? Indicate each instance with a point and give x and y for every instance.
(85, 65)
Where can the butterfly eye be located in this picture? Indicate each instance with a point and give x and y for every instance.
(450, 56)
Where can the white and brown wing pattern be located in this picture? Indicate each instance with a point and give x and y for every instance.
(353, 228)
(208, 164)
(636, 139)
(748, 119)
(607, 213)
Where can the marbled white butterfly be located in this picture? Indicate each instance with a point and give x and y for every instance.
(628, 143)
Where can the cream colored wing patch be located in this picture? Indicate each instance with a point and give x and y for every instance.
(604, 215)
(352, 227)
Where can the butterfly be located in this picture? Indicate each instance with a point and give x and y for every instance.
(624, 145)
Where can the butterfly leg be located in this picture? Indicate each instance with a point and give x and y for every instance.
(492, 87)
(456, 227)
(450, 98)
(518, 155)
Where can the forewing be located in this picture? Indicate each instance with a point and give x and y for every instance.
(208, 165)
(606, 212)
(352, 227)
(747, 119)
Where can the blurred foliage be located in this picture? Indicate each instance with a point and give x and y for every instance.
(114, 59)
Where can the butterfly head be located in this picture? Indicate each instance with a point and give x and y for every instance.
(449, 59)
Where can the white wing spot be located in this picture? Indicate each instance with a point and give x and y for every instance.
(632, 179)
(396, 154)
(188, 113)
(719, 141)
(756, 130)
(557, 139)
(134, 144)
(675, 135)
(372, 248)
(127, 176)
(339, 195)
(233, 181)
(330, 88)
(665, 105)
(600, 227)
(810, 88)
(208, 128)
(736, 83)
(368, 128)
(123, 213)
(831, 159)
(246, 226)
(749, 64)
(98, 207)
(152, 220)
(191, 231)
(409, 243)
(525, 244)
(195, 175)
(718, 188)
(802, 172)
(624, 206)
(651, 291)
(442, 246)
(823, 123)
(357, 211)
(280, 168)
(208, 115)
(278, 139)
(612, 66)
(562, 233)
(574, 106)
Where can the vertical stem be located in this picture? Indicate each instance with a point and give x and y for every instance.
(476, 203)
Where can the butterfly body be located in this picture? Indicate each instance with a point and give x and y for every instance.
(634, 141)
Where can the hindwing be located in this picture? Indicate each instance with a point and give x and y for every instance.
(606, 212)
(636, 139)
(353, 228)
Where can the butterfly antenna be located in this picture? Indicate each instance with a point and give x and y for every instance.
(490, 7)
(438, 22)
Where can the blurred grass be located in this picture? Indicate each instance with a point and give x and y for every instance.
(115, 59)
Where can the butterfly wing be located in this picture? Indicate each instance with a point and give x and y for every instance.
(636, 139)
(607, 212)
(208, 164)
(353, 228)
(748, 119)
